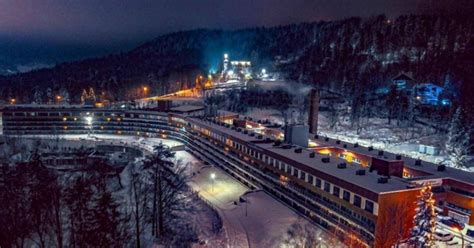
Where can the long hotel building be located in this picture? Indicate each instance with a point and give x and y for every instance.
(359, 194)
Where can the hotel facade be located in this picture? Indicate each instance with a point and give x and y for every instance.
(361, 195)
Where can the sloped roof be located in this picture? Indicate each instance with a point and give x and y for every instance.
(404, 76)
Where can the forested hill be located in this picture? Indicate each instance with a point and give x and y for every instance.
(340, 53)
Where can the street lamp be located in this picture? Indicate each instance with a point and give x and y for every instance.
(213, 178)
(89, 120)
(462, 236)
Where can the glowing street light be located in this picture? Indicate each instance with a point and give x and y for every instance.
(12, 101)
(89, 120)
(145, 88)
(213, 178)
(58, 98)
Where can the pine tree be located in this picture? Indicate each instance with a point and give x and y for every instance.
(422, 234)
(458, 144)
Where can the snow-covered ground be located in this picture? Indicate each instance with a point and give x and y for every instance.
(259, 221)
(376, 133)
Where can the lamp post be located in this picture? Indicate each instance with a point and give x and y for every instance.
(462, 236)
(319, 241)
(213, 178)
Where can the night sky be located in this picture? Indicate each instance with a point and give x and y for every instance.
(115, 21)
(50, 31)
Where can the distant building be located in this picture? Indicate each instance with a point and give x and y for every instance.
(430, 94)
(233, 70)
(403, 81)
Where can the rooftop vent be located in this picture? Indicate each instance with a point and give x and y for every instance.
(345, 145)
(371, 148)
(252, 134)
(356, 145)
(233, 128)
(342, 166)
(260, 136)
(286, 146)
(312, 155)
(338, 142)
(441, 167)
(360, 172)
(325, 160)
(382, 180)
(316, 136)
(326, 139)
(380, 153)
(246, 131)
(239, 129)
(277, 143)
(418, 162)
(398, 157)
(298, 150)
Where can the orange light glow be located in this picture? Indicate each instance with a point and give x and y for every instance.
(324, 151)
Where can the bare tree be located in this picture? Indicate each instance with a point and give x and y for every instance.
(301, 235)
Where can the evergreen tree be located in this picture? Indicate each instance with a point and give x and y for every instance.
(422, 234)
(107, 223)
(458, 144)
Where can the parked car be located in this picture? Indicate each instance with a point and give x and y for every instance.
(453, 224)
(443, 236)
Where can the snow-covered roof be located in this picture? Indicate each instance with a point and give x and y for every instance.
(187, 108)
(426, 167)
(348, 175)
(403, 76)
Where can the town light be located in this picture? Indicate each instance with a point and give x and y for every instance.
(264, 71)
(58, 98)
(213, 178)
(226, 56)
(88, 120)
(145, 88)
